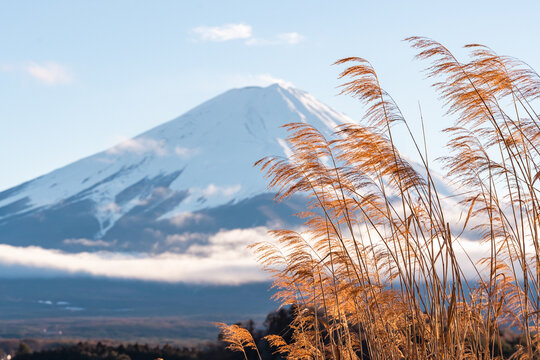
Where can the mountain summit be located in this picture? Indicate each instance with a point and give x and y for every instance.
(192, 174)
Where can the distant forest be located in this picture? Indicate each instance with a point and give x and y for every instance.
(276, 323)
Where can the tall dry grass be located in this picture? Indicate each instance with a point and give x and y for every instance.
(376, 273)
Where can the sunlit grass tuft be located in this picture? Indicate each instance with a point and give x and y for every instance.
(376, 275)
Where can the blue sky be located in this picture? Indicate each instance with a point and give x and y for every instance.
(76, 77)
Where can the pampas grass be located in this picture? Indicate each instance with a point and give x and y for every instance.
(375, 274)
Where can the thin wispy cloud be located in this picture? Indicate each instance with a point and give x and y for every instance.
(50, 73)
(227, 81)
(139, 146)
(222, 33)
(144, 145)
(180, 220)
(290, 38)
(212, 190)
(267, 79)
(184, 238)
(87, 242)
(229, 32)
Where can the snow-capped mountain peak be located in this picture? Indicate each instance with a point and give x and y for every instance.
(200, 160)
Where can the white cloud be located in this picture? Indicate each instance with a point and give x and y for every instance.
(86, 242)
(212, 190)
(242, 80)
(268, 79)
(222, 33)
(143, 145)
(229, 32)
(229, 241)
(139, 146)
(291, 38)
(224, 260)
(181, 219)
(183, 238)
(50, 73)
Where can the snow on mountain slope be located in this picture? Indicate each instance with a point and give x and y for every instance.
(200, 160)
(179, 202)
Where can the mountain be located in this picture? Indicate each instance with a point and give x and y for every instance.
(170, 187)
(156, 226)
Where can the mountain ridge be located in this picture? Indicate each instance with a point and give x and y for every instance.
(185, 167)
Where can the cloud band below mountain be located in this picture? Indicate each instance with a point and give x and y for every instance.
(224, 259)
